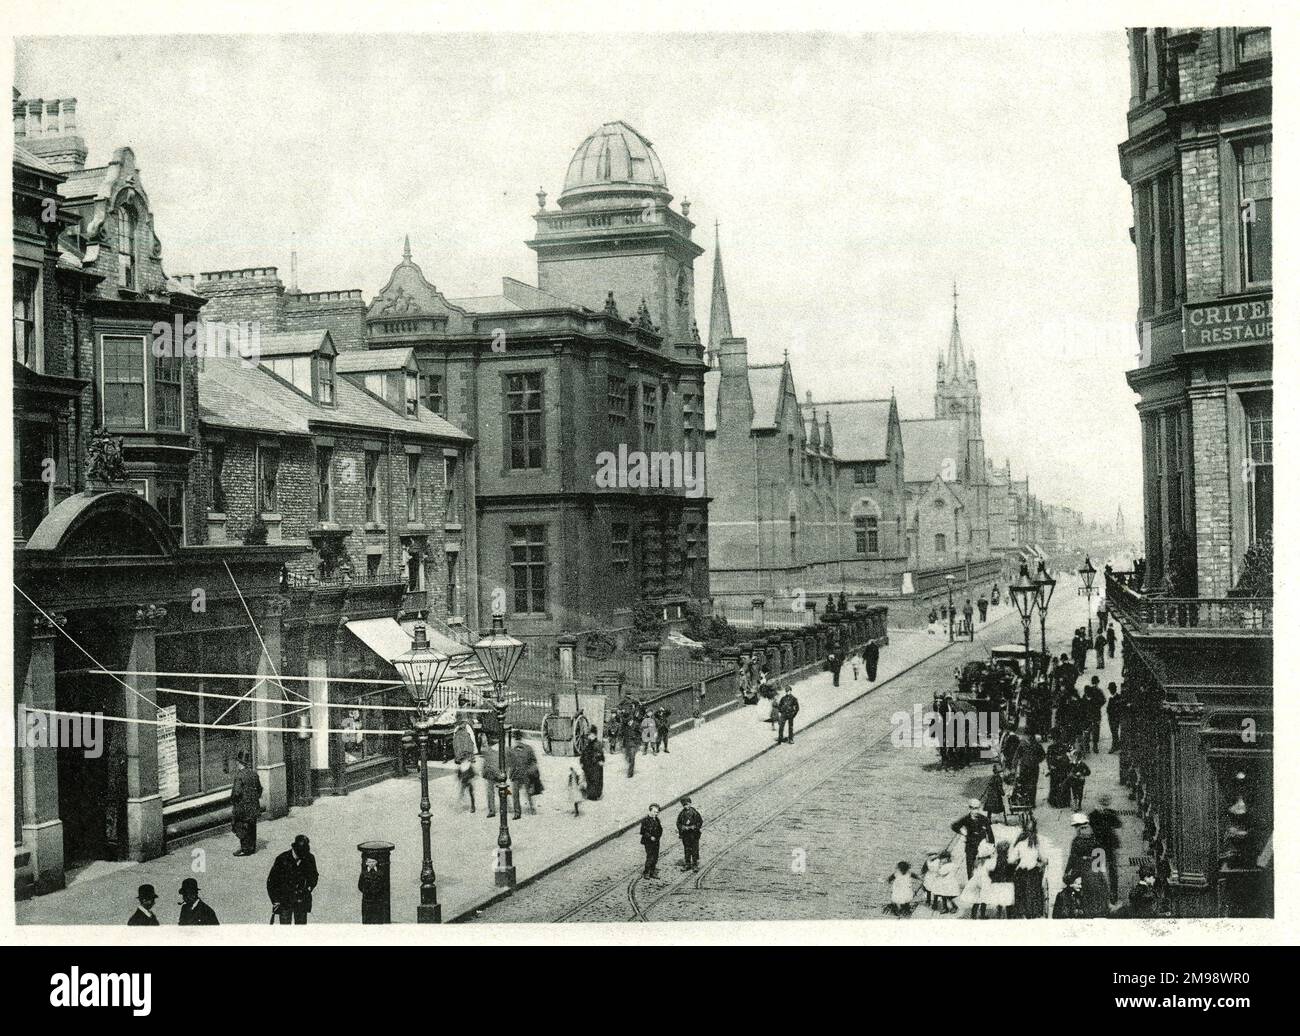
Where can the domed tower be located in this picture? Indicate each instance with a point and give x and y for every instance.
(615, 231)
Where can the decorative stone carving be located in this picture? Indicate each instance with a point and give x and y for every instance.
(106, 462)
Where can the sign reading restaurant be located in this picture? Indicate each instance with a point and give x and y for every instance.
(1247, 321)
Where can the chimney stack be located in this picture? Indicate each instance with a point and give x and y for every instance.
(733, 358)
(48, 129)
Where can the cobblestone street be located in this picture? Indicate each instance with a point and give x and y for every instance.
(811, 831)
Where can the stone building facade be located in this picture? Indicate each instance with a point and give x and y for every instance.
(1198, 623)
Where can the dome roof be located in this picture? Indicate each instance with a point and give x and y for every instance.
(615, 154)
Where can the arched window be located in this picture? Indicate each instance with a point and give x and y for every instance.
(127, 233)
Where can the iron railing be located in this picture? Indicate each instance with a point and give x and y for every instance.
(1156, 613)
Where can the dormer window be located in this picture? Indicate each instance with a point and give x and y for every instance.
(296, 370)
(326, 375)
(127, 227)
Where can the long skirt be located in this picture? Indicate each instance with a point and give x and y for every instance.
(1058, 789)
(595, 778)
(1030, 902)
(1025, 795)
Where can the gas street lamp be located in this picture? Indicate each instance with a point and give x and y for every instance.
(1088, 574)
(950, 578)
(1024, 595)
(422, 669)
(498, 653)
(1045, 584)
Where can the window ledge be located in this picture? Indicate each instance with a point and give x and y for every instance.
(375, 527)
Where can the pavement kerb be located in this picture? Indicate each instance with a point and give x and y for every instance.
(483, 902)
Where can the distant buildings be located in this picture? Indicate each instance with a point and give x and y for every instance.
(1198, 748)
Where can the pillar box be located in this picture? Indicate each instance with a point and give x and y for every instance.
(649, 664)
(567, 643)
(757, 605)
(374, 883)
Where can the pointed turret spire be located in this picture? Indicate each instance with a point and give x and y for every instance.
(956, 365)
(719, 311)
(406, 249)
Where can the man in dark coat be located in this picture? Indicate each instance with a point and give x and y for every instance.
(788, 707)
(1029, 758)
(1115, 716)
(651, 832)
(1100, 646)
(1096, 699)
(193, 909)
(631, 740)
(144, 915)
(1087, 862)
(834, 661)
(968, 614)
(1105, 824)
(1110, 641)
(662, 728)
(522, 763)
(1079, 651)
(245, 805)
(871, 658)
(983, 605)
(292, 879)
(689, 826)
(977, 828)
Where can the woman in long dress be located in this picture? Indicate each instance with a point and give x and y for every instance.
(593, 767)
(1058, 776)
(1030, 865)
(1000, 892)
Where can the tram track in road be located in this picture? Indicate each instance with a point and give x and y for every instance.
(625, 895)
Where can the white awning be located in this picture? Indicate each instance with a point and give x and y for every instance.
(382, 636)
(387, 639)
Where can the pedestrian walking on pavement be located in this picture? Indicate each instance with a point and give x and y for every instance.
(648, 736)
(575, 790)
(1031, 874)
(834, 661)
(1099, 644)
(983, 605)
(465, 779)
(146, 897)
(977, 829)
(193, 909)
(631, 742)
(1083, 871)
(968, 616)
(291, 882)
(902, 890)
(1115, 716)
(662, 728)
(788, 708)
(1096, 699)
(593, 768)
(245, 805)
(523, 772)
(1079, 774)
(651, 832)
(947, 884)
(689, 826)
(491, 777)
(1110, 641)
(854, 662)
(1105, 824)
(871, 659)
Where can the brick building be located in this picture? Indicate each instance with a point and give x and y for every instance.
(1198, 620)
(331, 450)
(109, 569)
(806, 498)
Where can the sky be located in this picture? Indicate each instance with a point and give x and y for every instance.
(854, 177)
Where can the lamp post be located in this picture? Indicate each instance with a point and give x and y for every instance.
(950, 579)
(1088, 574)
(422, 669)
(1045, 584)
(1024, 595)
(498, 653)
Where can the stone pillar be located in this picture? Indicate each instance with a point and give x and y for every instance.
(757, 611)
(1193, 842)
(144, 814)
(567, 642)
(649, 664)
(268, 746)
(318, 691)
(39, 767)
(337, 761)
(610, 684)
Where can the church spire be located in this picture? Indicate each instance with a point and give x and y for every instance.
(406, 249)
(956, 366)
(719, 311)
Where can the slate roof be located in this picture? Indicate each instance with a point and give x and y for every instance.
(861, 427)
(927, 444)
(24, 157)
(764, 388)
(290, 343)
(233, 394)
(355, 361)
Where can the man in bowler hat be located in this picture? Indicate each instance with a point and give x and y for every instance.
(144, 914)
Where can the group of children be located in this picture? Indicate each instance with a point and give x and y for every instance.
(939, 877)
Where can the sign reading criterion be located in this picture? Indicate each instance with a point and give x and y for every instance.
(1248, 322)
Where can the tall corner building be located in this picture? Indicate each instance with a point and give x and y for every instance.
(1197, 615)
